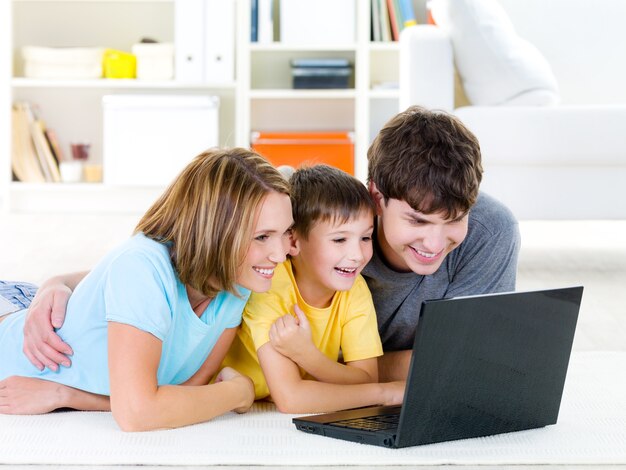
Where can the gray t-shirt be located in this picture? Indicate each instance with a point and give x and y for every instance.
(486, 261)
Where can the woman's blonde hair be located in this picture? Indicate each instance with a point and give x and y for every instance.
(207, 215)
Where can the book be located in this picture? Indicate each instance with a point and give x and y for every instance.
(265, 25)
(24, 160)
(53, 142)
(254, 20)
(44, 153)
(385, 26)
(393, 20)
(376, 26)
(408, 13)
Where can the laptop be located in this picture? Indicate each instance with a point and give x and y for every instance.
(481, 365)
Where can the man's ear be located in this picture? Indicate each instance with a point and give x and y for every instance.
(378, 197)
(294, 244)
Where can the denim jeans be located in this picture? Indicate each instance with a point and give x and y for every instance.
(20, 294)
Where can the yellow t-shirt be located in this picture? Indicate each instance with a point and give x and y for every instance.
(349, 325)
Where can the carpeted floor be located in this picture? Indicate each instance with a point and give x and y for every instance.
(591, 430)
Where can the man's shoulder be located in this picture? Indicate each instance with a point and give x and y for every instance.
(491, 216)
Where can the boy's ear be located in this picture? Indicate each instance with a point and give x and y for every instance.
(377, 196)
(294, 244)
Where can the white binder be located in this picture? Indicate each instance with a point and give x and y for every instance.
(219, 41)
(189, 40)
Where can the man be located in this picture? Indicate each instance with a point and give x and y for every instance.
(436, 236)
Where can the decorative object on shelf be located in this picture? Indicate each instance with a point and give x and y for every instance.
(80, 150)
(321, 73)
(71, 171)
(317, 22)
(62, 62)
(155, 60)
(119, 64)
(92, 173)
(297, 148)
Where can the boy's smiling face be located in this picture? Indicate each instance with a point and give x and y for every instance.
(332, 257)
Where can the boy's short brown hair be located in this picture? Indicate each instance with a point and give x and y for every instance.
(428, 159)
(322, 193)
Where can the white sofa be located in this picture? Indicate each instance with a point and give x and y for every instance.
(560, 161)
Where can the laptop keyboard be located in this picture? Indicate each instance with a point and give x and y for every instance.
(370, 423)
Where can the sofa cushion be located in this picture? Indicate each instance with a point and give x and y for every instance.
(496, 66)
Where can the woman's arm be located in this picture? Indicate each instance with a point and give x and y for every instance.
(42, 346)
(292, 394)
(215, 359)
(138, 403)
(292, 338)
(31, 396)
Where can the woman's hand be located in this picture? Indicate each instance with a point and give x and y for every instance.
(247, 386)
(29, 396)
(42, 346)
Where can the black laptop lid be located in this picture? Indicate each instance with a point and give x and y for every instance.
(488, 364)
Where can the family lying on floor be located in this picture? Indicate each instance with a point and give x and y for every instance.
(239, 285)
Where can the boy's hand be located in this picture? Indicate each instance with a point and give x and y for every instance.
(394, 392)
(42, 346)
(291, 336)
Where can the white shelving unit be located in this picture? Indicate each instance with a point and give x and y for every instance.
(260, 99)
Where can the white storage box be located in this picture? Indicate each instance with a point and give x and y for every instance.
(317, 22)
(155, 61)
(62, 62)
(148, 139)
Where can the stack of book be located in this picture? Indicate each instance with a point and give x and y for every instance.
(36, 152)
(390, 17)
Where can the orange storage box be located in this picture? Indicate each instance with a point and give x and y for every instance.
(297, 148)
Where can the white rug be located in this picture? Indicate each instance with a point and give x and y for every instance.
(591, 430)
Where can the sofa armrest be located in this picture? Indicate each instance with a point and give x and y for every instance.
(555, 135)
(426, 68)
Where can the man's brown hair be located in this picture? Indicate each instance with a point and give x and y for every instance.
(207, 216)
(428, 159)
(322, 193)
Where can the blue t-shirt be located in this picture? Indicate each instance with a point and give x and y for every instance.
(136, 285)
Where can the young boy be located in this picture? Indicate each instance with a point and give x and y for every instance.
(294, 359)
(435, 235)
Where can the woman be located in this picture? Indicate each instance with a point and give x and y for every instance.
(161, 310)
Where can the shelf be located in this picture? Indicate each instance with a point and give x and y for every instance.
(20, 82)
(384, 46)
(80, 197)
(280, 47)
(303, 94)
(384, 93)
(95, 1)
